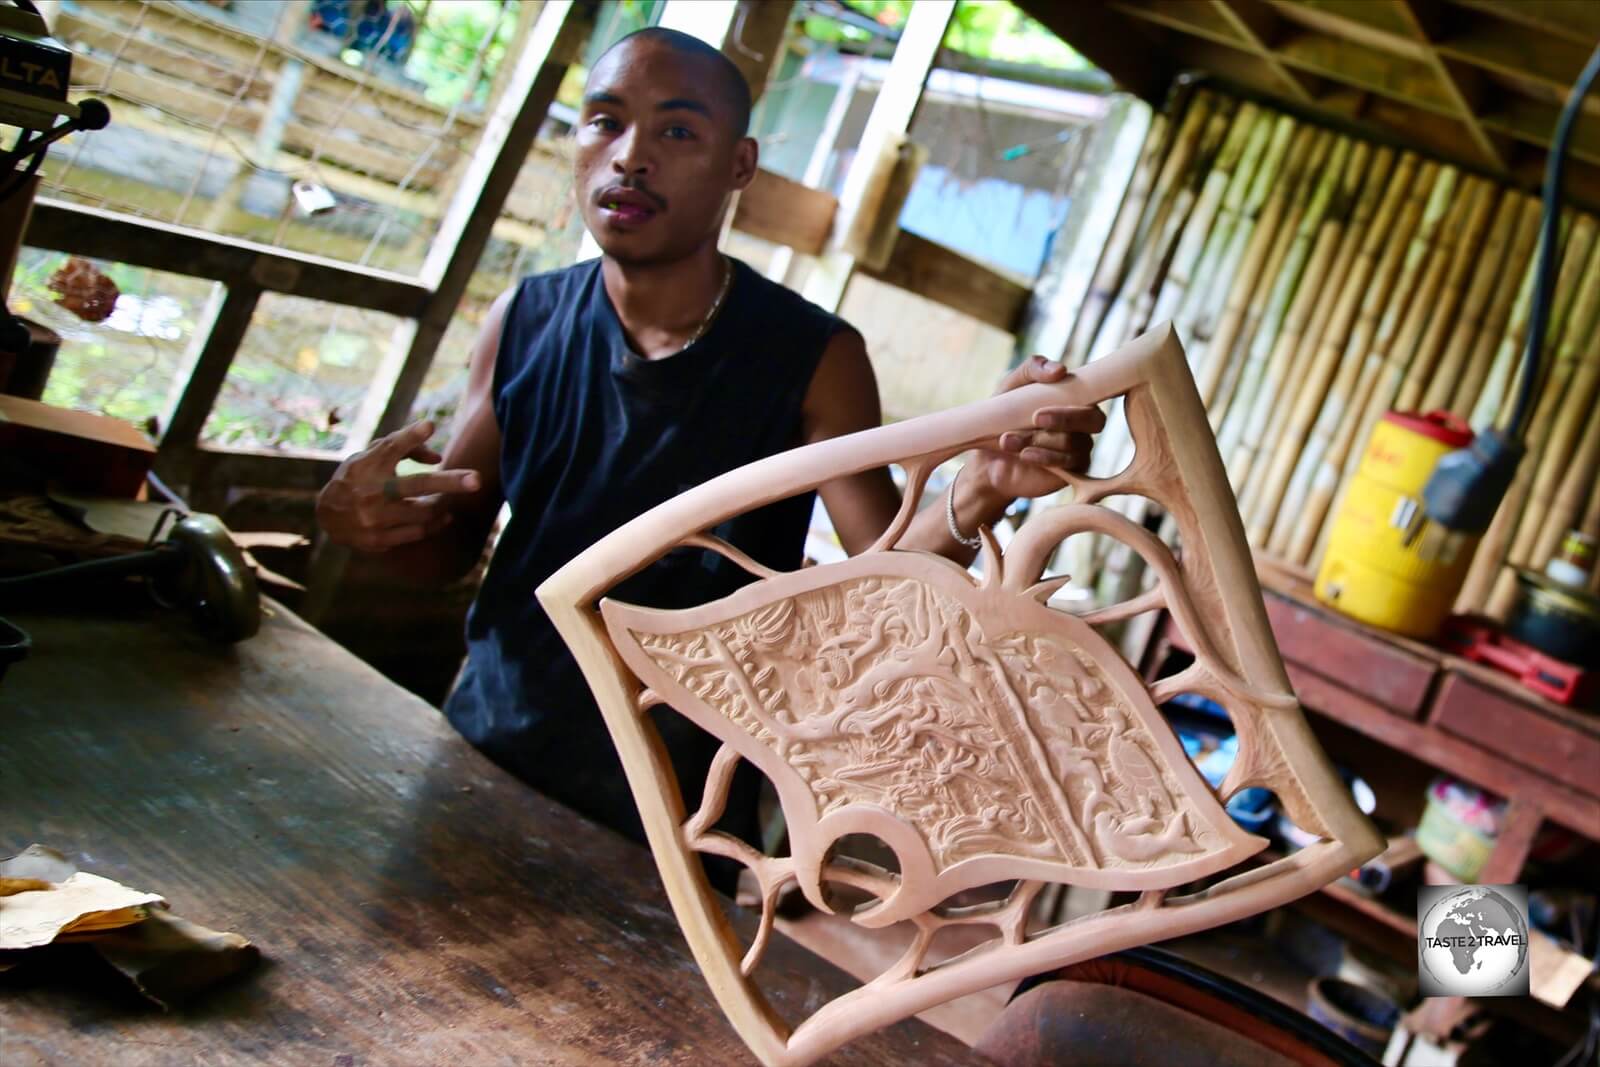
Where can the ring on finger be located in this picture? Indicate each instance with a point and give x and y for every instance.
(391, 489)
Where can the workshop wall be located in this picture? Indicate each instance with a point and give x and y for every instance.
(1317, 281)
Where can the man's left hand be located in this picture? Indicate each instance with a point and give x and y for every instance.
(1060, 438)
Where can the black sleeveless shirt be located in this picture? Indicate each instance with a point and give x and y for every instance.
(592, 436)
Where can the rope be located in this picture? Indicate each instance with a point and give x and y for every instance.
(216, 128)
(105, 83)
(338, 116)
(474, 72)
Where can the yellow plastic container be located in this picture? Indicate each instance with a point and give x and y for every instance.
(1386, 564)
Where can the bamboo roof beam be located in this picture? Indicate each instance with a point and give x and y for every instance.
(1476, 83)
(1259, 26)
(1086, 28)
(1465, 84)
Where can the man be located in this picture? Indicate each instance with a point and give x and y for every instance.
(598, 391)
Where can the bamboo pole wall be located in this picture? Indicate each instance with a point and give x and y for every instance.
(1318, 281)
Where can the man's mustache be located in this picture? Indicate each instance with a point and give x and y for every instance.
(637, 187)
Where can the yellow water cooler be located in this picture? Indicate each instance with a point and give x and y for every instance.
(1386, 564)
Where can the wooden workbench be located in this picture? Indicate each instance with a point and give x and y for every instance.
(1457, 717)
(413, 903)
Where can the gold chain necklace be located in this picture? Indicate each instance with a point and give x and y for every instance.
(716, 305)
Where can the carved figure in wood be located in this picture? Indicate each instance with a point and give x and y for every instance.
(982, 735)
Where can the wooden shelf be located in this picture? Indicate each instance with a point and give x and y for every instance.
(1427, 705)
(1367, 908)
(1201, 20)
(1483, 40)
(1376, 26)
(1437, 748)
(1405, 80)
(1372, 908)
(1530, 121)
(1433, 707)
(1578, 22)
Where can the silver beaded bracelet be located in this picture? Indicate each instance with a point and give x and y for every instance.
(973, 542)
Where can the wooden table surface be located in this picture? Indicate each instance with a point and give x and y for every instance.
(414, 904)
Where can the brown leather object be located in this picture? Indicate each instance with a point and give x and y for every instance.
(1067, 1022)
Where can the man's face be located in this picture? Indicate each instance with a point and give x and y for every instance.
(657, 154)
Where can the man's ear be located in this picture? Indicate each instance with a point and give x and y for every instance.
(746, 159)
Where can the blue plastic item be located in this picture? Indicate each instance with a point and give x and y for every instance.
(1253, 808)
(1196, 702)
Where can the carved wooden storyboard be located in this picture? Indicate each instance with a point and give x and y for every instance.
(980, 734)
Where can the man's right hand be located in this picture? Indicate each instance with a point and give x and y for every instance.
(367, 506)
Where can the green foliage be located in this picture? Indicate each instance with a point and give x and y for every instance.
(448, 39)
(618, 18)
(993, 29)
(123, 367)
(984, 29)
(297, 379)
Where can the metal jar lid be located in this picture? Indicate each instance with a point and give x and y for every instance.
(1552, 596)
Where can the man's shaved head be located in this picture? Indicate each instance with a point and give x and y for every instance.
(661, 146)
(725, 81)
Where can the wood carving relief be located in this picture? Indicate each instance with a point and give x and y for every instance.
(980, 734)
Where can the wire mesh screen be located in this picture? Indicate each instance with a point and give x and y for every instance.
(328, 127)
(339, 128)
(501, 265)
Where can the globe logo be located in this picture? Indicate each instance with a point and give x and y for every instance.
(1472, 941)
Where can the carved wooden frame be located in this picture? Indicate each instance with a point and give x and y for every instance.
(983, 681)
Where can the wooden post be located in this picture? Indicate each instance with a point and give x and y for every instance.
(1504, 866)
(280, 110)
(891, 115)
(821, 154)
(216, 341)
(755, 39)
(508, 136)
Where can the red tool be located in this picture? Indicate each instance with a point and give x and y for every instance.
(1557, 679)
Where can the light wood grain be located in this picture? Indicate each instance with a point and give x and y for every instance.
(788, 667)
(1254, 242)
(1223, 188)
(1327, 482)
(1298, 289)
(1264, 312)
(929, 269)
(1474, 304)
(1108, 271)
(786, 212)
(1292, 533)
